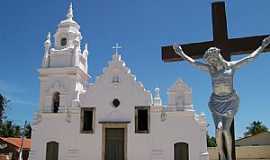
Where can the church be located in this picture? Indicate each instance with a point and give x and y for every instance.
(114, 118)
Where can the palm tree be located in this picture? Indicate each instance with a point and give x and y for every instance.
(254, 128)
(3, 105)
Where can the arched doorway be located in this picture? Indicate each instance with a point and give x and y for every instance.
(52, 151)
(56, 102)
(181, 151)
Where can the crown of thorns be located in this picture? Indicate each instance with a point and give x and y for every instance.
(211, 52)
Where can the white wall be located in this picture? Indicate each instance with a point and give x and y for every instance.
(64, 128)
(158, 144)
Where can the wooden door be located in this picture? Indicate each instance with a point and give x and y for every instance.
(181, 151)
(52, 151)
(114, 144)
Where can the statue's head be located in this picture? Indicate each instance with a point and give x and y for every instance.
(213, 57)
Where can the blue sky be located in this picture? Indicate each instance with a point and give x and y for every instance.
(141, 27)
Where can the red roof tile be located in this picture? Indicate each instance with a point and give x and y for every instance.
(17, 142)
(3, 157)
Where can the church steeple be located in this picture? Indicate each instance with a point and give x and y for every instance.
(66, 50)
(64, 67)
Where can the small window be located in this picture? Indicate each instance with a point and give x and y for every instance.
(142, 119)
(56, 102)
(116, 79)
(63, 41)
(87, 120)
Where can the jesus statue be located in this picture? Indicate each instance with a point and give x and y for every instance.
(224, 101)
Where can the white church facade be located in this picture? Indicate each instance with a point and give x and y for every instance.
(115, 118)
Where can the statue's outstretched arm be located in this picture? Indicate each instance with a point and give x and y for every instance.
(178, 49)
(252, 56)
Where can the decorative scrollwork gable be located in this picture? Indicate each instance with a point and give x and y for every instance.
(56, 86)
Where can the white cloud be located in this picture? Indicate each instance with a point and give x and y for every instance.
(13, 92)
(24, 102)
(10, 88)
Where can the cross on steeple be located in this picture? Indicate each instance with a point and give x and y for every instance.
(116, 47)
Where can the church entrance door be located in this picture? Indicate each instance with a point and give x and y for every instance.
(181, 151)
(114, 143)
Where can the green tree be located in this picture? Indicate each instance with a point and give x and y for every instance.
(8, 129)
(254, 128)
(28, 131)
(3, 105)
(211, 141)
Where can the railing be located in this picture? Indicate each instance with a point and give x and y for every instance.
(50, 110)
(64, 109)
(171, 109)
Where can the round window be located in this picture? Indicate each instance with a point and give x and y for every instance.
(63, 41)
(116, 103)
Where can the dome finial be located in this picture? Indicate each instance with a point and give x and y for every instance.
(49, 36)
(157, 98)
(86, 46)
(157, 92)
(85, 51)
(48, 40)
(47, 45)
(70, 11)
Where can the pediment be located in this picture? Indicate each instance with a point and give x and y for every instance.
(116, 81)
(180, 86)
(117, 73)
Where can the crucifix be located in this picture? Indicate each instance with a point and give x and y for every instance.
(116, 47)
(227, 47)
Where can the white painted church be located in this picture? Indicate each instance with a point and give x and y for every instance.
(115, 118)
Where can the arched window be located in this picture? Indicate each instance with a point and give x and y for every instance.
(116, 79)
(56, 102)
(52, 149)
(181, 151)
(63, 42)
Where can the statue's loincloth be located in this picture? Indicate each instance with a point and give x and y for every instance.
(220, 105)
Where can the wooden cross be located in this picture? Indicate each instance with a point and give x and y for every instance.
(116, 47)
(229, 47)
(234, 46)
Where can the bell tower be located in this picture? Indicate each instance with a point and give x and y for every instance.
(64, 70)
